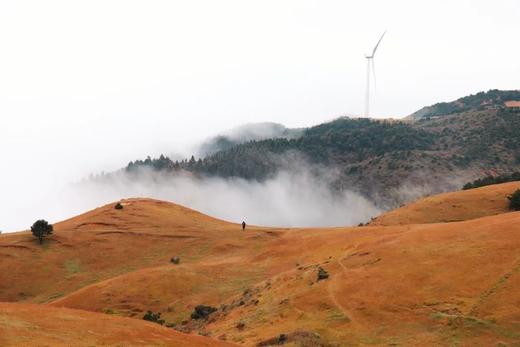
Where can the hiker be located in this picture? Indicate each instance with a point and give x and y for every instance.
(243, 225)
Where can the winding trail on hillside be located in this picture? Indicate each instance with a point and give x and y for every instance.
(500, 283)
(332, 292)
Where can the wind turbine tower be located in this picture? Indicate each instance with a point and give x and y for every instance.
(370, 65)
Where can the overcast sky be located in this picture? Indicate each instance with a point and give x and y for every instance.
(87, 86)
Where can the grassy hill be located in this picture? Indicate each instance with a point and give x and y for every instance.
(36, 325)
(453, 206)
(439, 283)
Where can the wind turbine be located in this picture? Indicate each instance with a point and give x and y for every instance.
(370, 62)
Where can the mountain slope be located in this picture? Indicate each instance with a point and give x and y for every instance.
(484, 100)
(421, 284)
(246, 133)
(393, 286)
(452, 206)
(37, 325)
(387, 161)
(105, 243)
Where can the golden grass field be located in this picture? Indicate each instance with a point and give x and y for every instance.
(443, 271)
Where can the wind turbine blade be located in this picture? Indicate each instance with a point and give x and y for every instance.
(378, 42)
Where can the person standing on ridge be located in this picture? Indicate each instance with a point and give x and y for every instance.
(243, 225)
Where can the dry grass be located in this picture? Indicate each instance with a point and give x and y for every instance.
(38, 325)
(452, 207)
(419, 284)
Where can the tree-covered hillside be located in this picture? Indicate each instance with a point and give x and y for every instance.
(491, 99)
(342, 140)
(246, 133)
(388, 161)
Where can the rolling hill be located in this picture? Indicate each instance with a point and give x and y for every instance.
(423, 280)
(37, 325)
(452, 207)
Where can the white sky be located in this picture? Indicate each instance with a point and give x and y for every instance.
(87, 86)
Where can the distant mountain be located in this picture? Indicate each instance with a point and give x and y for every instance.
(388, 161)
(246, 133)
(484, 100)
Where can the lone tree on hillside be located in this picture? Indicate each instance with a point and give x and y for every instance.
(41, 228)
(514, 201)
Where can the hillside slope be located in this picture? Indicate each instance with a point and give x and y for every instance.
(420, 284)
(437, 284)
(390, 162)
(37, 325)
(452, 206)
(106, 242)
(491, 99)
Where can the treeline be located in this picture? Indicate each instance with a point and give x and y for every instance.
(337, 142)
(493, 97)
(489, 180)
(342, 140)
(163, 163)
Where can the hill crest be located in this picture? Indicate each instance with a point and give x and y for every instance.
(491, 99)
(264, 282)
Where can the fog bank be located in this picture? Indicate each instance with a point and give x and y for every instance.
(289, 199)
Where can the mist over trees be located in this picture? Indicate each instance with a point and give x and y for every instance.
(342, 139)
(387, 161)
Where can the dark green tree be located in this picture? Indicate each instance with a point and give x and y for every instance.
(41, 228)
(514, 201)
(153, 317)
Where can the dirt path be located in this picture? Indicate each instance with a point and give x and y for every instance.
(332, 291)
(502, 280)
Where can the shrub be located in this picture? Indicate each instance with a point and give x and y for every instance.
(175, 260)
(489, 180)
(514, 201)
(282, 339)
(118, 206)
(41, 228)
(202, 312)
(322, 274)
(153, 317)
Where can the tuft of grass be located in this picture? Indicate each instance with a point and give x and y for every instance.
(54, 296)
(338, 316)
(469, 326)
(72, 267)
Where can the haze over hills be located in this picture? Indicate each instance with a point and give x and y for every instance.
(388, 283)
(342, 172)
(246, 133)
(197, 173)
(388, 162)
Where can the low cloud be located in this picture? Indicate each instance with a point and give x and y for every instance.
(245, 133)
(289, 199)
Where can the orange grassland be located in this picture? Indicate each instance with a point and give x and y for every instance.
(443, 271)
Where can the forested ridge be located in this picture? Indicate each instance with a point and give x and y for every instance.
(375, 157)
